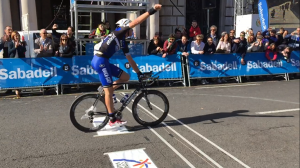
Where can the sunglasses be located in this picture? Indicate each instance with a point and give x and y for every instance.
(172, 39)
(231, 32)
(213, 30)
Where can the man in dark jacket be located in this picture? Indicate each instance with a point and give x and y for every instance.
(240, 46)
(5, 39)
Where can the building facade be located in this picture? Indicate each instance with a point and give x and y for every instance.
(44, 13)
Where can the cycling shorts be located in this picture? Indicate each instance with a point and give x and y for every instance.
(106, 70)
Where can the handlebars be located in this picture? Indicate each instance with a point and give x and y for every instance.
(148, 78)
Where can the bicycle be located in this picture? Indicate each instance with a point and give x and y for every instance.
(98, 117)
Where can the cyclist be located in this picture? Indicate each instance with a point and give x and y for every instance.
(105, 49)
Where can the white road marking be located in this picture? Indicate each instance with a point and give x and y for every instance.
(242, 97)
(225, 86)
(233, 157)
(187, 141)
(169, 145)
(278, 111)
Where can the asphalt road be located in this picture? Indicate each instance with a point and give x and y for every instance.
(208, 126)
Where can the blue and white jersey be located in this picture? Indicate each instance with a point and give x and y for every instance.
(113, 43)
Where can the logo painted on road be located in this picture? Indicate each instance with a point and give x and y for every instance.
(122, 163)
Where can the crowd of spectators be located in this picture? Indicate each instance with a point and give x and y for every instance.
(194, 42)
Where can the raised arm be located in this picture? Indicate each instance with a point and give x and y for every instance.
(144, 16)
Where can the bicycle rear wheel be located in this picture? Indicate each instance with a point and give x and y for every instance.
(150, 108)
(88, 113)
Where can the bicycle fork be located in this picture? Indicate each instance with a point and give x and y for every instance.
(147, 100)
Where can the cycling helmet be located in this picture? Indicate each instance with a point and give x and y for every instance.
(123, 22)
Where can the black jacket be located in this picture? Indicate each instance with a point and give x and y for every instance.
(240, 47)
(12, 50)
(152, 47)
(209, 48)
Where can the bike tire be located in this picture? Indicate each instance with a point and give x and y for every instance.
(158, 120)
(80, 126)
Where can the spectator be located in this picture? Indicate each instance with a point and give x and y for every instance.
(101, 32)
(296, 32)
(287, 53)
(183, 51)
(194, 30)
(197, 46)
(184, 31)
(56, 37)
(258, 34)
(210, 47)
(177, 34)
(285, 33)
(183, 48)
(155, 46)
(272, 35)
(250, 41)
(266, 41)
(213, 34)
(1, 44)
(257, 46)
(240, 46)
(5, 39)
(224, 45)
(16, 49)
(170, 46)
(107, 26)
(295, 39)
(272, 48)
(231, 38)
(65, 48)
(249, 32)
(43, 45)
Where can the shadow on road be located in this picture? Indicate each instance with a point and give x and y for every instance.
(208, 117)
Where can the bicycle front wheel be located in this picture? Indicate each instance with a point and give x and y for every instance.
(150, 108)
(88, 113)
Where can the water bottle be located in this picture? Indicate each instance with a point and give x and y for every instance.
(114, 99)
(124, 98)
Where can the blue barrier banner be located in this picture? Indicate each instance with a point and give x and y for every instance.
(263, 14)
(224, 65)
(28, 72)
(258, 64)
(215, 65)
(165, 68)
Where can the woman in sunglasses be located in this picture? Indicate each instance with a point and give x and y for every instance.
(170, 46)
(65, 49)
